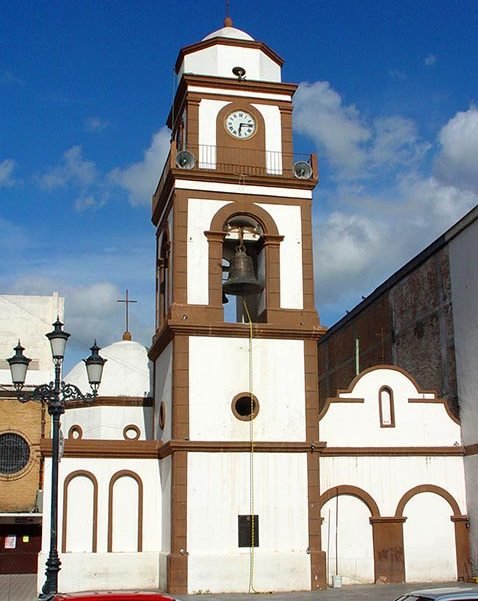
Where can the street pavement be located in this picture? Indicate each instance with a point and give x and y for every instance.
(22, 587)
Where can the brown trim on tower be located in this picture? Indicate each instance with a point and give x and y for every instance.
(180, 389)
(215, 243)
(318, 576)
(139, 482)
(247, 151)
(307, 258)
(94, 535)
(177, 561)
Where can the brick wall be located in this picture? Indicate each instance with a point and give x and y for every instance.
(18, 491)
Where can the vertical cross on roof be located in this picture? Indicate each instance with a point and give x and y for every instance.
(127, 301)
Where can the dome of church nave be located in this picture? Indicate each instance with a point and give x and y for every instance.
(126, 372)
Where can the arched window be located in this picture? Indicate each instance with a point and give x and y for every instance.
(386, 409)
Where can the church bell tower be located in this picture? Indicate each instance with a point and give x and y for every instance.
(235, 347)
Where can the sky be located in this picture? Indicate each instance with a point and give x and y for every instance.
(388, 99)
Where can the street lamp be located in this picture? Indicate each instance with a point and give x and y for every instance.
(54, 395)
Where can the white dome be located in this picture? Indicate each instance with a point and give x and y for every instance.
(126, 372)
(229, 32)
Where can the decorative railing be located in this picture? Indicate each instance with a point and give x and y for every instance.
(239, 162)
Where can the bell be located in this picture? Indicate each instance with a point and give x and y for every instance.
(242, 280)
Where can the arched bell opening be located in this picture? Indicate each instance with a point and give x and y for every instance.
(163, 284)
(243, 268)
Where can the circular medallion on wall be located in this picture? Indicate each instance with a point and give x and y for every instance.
(131, 432)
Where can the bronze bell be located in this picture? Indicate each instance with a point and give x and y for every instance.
(242, 280)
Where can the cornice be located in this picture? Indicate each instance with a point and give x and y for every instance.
(154, 449)
(106, 449)
(112, 401)
(230, 330)
(221, 41)
(239, 446)
(172, 174)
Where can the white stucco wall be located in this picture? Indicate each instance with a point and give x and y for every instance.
(219, 60)
(416, 423)
(289, 224)
(163, 391)
(102, 570)
(208, 111)
(281, 398)
(200, 214)
(464, 286)
(354, 421)
(106, 422)
(346, 528)
(216, 562)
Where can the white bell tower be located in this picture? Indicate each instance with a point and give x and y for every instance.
(235, 348)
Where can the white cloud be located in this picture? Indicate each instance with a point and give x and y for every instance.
(7, 168)
(395, 142)
(72, 169)
(355, 148)
(361, 245)
(457, 162)
(338, 129)
(95, 124)
(140, 179)
(430, 60)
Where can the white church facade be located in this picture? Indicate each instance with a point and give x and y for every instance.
(205, 465)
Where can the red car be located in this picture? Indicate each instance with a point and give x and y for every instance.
(112, 596)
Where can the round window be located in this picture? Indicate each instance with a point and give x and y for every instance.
(14, 453)
(245, 406)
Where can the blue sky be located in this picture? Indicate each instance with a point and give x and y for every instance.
(387, 99)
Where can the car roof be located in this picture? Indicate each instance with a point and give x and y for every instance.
(457, 592)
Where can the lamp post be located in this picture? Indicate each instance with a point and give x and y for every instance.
(54, 395)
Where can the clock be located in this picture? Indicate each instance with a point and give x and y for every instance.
(240, 124)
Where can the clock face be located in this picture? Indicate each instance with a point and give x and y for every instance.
(240, 124)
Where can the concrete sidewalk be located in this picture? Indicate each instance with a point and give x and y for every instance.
(22, 587)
